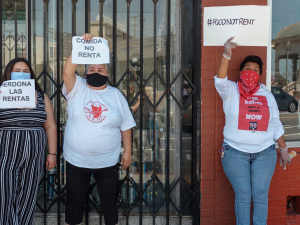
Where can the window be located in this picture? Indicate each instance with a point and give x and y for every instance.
(285, 75)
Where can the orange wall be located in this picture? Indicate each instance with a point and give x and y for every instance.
(217, 196)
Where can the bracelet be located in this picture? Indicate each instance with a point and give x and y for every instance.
(51, 154)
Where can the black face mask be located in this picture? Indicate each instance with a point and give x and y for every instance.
(96, 79)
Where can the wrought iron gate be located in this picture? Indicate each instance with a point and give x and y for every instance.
(155, 62)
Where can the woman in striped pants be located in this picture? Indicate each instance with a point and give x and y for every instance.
(23, 138)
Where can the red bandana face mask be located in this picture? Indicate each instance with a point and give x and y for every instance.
(248, 84)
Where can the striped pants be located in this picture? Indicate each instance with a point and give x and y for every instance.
(22, 155)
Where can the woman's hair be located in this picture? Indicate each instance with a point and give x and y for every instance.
(88, 66)
(253, 59)
(10, 66)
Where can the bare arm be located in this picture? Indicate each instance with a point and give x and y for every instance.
(70, 68)
(69, 74)
(222, 72)
(126, 158)
(136, 106)
(281, 142)
(50, 129)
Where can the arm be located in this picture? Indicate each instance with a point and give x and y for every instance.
(126, 158)
(70, 68)
(285, 157)
(69, 74)
(136, 106)
(50, 129)
(222, 72)
(281, 142)
(151, 100)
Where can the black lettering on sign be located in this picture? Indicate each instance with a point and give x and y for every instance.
(93, 41)
(15, 91)
(89, 48)
(89, 54)
(235, 21)
(241, 21)
(230, 21)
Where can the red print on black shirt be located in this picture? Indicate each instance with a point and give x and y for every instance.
(254, 113)
(94, 110)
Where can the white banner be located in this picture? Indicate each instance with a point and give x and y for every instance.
(249, 25)
(18, 94)
(95, 51)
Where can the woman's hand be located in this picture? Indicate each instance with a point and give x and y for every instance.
(222, 72)
(285, 157)
(50, 162)
(126, 159)
(228, 47)
(70, 68)
(87, 37)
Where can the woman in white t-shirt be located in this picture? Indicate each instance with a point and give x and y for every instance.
(98, 117)
(252, 125)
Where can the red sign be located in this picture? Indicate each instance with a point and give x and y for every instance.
(254, 113)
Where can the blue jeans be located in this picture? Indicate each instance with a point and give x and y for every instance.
(250, 176)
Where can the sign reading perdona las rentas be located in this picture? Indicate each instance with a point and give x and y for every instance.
(95, 51)
(18, 94)
(249, 25)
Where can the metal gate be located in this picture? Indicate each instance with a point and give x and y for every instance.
(155, 62)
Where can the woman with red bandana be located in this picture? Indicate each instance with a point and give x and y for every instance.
(252, 126)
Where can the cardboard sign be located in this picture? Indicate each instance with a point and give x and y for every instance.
(249, 25)
(95, 51)
(18, 94)
(254, 113)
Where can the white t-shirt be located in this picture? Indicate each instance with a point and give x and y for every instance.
(95, 121)
(255, 125)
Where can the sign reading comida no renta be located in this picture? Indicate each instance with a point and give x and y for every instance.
(95, 51)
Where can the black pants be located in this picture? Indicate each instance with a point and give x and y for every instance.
(78, 180)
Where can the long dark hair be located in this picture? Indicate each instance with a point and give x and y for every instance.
(10, 66)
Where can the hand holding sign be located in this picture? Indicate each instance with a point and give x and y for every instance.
(89, 50)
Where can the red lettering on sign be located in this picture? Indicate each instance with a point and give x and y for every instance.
(254, 113)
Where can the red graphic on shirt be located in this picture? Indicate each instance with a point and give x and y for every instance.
(254, 113)
(94, 111)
